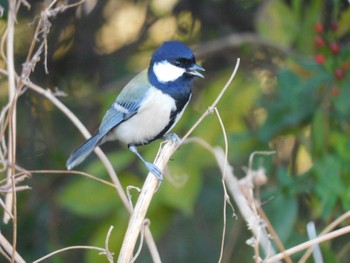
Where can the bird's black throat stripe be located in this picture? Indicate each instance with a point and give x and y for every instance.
(180, 102)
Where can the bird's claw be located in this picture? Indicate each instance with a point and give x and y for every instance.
(154, 170)
(172, 137)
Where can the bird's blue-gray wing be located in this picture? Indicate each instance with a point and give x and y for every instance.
(125, 106)
(127, 103)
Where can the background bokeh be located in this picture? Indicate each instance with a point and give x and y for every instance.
(291, 94)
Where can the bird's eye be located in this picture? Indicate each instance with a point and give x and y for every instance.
(177, 63)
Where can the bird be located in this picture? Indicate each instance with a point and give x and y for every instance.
(149, 106)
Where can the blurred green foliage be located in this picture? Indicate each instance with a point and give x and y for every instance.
(293, 99)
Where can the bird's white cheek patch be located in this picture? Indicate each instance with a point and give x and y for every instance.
(166, 71)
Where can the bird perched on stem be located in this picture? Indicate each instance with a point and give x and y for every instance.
(149, 106)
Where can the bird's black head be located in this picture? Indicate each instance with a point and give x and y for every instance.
(173, 63)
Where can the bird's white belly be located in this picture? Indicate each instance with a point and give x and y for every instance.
(152, 117)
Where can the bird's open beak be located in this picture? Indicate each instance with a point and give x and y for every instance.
(193, 70)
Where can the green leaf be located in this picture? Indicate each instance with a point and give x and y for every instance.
(328, 170)
(341, 103)
(320, 130)
(86, 197)
(182, 193)
(295, 103)
(341, 143)
(344, 23)
(330, 186)
(277, 22)
(282, 212)
(306, 35)
(346, 199)
(239, 98)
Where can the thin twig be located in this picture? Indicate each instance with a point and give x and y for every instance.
(11, 197)
(212, 106)
(312, 234)
(142, 236)
(151, 245)
(249, 214)
(329, 228)
(137, 217)
(108, 253)
(68, 173)
(310, 243)
(102, 250)
(272, 232)
(9, 249)
(3, 205)
(128, 192)
(226, 196)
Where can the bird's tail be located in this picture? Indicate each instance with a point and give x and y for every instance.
(80, 153)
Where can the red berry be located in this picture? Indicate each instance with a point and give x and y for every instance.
(339, 73)
(335, 91)
(334, 26)
(318, 27)
(320, 59)
(319, 41)
(335, 48)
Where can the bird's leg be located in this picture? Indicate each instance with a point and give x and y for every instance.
(172, 137)
(150, 166)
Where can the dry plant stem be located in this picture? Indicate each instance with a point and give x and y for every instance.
(66, 172)
(272, 231)
(102, 250)
(9, 199)
(142, 235)
(9, 250)
(226, 196)
(143, 202)
(152, 246)
(3, 205)
(310, 243)
(211, 107)
(108, 253)
(329, 228)
(250, 216)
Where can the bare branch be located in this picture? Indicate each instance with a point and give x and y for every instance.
(226, 196)
(102, 250)
(211, 107)
(9, 249)
(151, 245)
(108, 253)
(249, 213)
(308, 244)
(329, 228)
(137, 217)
